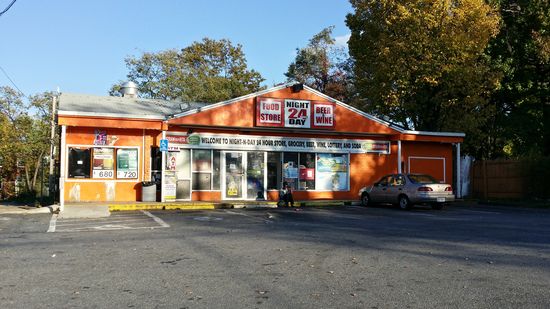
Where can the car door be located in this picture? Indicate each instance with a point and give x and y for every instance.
(396, 186)
(378, 192)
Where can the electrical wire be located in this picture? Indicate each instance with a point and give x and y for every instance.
(12, 82)
(6, 9)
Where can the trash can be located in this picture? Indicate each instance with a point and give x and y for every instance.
(148, 191)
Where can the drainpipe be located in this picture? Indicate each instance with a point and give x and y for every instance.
(63, 168)
(458, 170)
(399, 157)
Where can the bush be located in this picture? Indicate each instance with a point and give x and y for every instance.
(537, 172)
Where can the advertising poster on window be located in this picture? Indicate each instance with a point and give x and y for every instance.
(332, 172)
(127, 163)
(297, 114)
(103, 163)
(170, 186)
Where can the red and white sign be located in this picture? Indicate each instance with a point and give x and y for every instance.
(323, 115)
(297, 114)
(269, 112)
(290, 113)
(177, 139)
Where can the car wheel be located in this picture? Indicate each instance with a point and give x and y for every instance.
(404, 203)
(437, 206)
(365, 199)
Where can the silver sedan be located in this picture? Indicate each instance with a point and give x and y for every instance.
(406, 190)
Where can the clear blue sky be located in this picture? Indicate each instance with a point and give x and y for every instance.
(80, 45)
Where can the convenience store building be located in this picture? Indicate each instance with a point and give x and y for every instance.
(237, 150)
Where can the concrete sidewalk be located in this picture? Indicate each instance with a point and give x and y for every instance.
(84, 210)
(9, 209)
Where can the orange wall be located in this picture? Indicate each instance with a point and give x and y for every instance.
(243, 114)
(89, 190)
(429, 150)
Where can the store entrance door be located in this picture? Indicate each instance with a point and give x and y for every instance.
(233, 176)
(243, 175)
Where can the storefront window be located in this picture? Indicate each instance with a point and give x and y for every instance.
(307, 171)
(290, 169)
(127, 163)
(79, 163)
(202, 169)
(332, 171)
(103, 163)
(255, 174)
(274, 170)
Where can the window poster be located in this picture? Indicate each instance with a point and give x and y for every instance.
(332, 172)
(127, 163)
(290, 170)
(103, 163)
(170, 186)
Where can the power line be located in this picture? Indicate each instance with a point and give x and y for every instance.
(6, 9)
(12, 82)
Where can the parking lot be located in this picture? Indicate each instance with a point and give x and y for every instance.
(345, 257)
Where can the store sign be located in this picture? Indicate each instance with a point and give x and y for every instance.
(323, 115)
(268, 143)
(297, 114)
(269, 112)
(291, 113)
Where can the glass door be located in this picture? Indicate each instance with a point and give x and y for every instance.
(233, 175)
(255, 167)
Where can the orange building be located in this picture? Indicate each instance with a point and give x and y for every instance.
(240, 149)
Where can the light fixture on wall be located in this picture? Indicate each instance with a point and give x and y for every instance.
(297, 87)
(190, 131)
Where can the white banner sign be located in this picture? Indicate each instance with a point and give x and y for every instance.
(268, 143)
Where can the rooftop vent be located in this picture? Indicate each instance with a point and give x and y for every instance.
(129, 90)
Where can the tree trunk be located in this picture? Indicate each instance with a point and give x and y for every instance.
(37, 169)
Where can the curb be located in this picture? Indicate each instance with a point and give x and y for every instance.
(222, 205)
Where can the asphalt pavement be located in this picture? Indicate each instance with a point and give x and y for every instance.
(341, 257)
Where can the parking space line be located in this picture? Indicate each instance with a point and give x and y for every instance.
(157, 219)
(248, 216)
(53, 222)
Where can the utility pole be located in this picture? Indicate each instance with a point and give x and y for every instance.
(51, 177)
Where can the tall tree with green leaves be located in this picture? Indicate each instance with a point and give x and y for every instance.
(208, 71)
(24, 137)
(521, 51)
(324, 66)
(421, 63)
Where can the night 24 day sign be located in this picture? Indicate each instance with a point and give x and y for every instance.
(289, 113)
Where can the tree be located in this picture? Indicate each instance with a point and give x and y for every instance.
(24, 138)
(422, 64)
(323, 66)
(521, 51)
(207, 71)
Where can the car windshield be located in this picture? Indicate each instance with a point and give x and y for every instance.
(422, 179)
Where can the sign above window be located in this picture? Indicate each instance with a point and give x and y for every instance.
(289, 113)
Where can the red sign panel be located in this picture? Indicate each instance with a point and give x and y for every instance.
(177, 139)
(269, 112)
(290, 113)
(323, 115)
